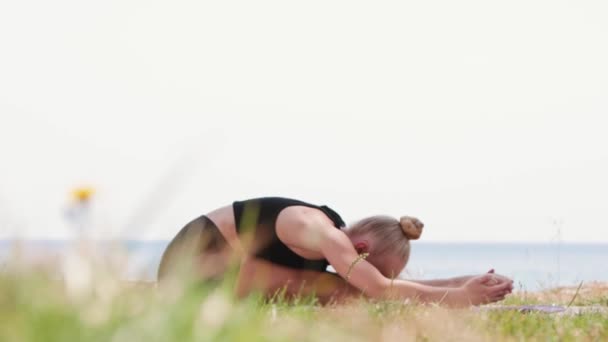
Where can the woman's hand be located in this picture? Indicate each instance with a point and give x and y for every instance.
(484, 289)
(499, 279)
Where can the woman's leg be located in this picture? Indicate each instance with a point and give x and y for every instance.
(197, 250)
(268, 278)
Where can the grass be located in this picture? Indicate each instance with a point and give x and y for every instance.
(38, 305)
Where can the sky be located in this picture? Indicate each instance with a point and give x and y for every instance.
(485, 119)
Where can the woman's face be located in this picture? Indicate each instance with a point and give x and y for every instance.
(388, 264)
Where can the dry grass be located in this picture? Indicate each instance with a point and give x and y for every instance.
(38, 305)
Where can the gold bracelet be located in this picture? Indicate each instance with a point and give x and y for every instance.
(361, 256)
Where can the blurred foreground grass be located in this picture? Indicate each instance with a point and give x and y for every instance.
(38, 305)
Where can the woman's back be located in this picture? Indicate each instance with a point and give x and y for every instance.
(258, 217)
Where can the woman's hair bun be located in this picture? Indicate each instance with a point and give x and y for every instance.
(411, 226)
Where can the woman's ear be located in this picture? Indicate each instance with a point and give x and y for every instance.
(362, 247)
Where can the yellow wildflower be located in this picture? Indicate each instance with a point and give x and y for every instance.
(83, 194)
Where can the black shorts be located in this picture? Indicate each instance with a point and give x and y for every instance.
(195, 239)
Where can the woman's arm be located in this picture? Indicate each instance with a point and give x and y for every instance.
(341, 254)
(449, 282)
(309, 229)
(459, 281)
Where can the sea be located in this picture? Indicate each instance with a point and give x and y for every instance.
(532, 266)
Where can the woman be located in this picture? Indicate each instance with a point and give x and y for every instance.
(285, 244)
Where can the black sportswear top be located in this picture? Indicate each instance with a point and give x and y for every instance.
(260, 215)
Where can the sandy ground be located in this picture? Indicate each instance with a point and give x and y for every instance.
(589, 298)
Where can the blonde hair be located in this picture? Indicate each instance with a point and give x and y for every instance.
(389, 235)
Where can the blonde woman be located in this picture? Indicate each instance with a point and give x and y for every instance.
(286, 244)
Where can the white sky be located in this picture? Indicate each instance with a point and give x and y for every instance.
(486, 119)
